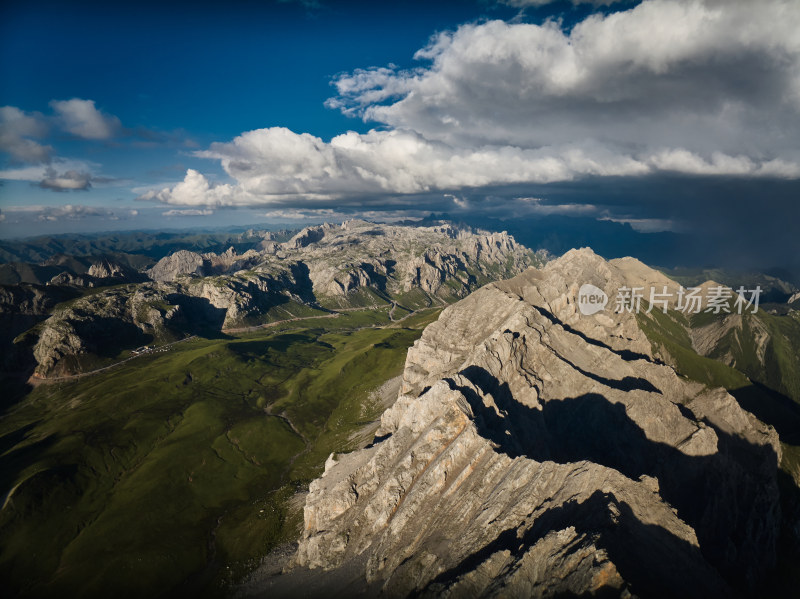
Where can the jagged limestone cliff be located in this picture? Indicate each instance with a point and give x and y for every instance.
(534, 451)
(354, 264)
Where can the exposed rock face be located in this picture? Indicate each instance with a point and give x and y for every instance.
(393, 259)
(534, 451)
(323, 267)
(358, 254)
(67, 278)
(105, 269)
(21, 307)
(103, 324)
(234, 299)
(429, 271)
(340, 259)
(332, 281)
(100, 273)
(229, 261)
(306, 237)
(31, 300)
(170, 267)
(752, 338)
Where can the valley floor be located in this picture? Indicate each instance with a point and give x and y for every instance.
(176, 470)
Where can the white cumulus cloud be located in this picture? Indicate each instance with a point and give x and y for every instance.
(665, 73)
(677, 86)
(16, 130)
(197, 190)
(83, 119)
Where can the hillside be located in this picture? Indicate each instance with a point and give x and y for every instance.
(524, 447)
(177, 470)
(533, 450)
(354, 265)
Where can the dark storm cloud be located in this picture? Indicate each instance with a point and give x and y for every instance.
(697, 221)
(700, 88)
(671, 120)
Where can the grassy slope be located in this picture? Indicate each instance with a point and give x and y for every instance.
(669, 337)
(667, 333)
(174, 467)
(781, 368)
(779, 371)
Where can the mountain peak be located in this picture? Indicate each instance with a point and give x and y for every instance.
(536, 450)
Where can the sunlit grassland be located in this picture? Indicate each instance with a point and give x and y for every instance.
(667, 333)
(175, 470)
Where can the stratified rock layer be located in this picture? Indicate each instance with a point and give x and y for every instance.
(534, 451)
(353, 264)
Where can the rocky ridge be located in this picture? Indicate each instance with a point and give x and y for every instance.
(100, 273)
(321, 268)
(757, 339)
(534, 451)
(182, 262)
(356, 254)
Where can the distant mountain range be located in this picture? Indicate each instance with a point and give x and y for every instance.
(532, 448)
(115, 307)
(555, 233)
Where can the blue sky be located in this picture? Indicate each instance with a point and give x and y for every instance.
(136, 115)
(183, 76)
(180, 77)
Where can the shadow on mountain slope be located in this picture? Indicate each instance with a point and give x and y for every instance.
(647, 556)
(108, 336)
(625, 354)
(200, 315)
(727, 497)
(772, 408)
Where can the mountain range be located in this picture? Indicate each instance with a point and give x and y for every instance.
(397, 411)
(320, 269)
(536, 451)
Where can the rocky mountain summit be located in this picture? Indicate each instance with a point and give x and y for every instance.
(182, 262)
(536, 451)
(356, 264)
(101, 273)
(355, 254)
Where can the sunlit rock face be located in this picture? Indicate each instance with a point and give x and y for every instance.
(536, 451)
(356, 264)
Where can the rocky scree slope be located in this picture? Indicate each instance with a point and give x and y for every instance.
(321, 268)
(533, 451)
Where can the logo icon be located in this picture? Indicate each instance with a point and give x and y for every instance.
(591, 299)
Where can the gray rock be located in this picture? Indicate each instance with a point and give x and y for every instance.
(306, 237)
(180, 263)
(534, 451)
(105, 269)
(101, 273)
(329, 266)
(68, 278)
(104, 323)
